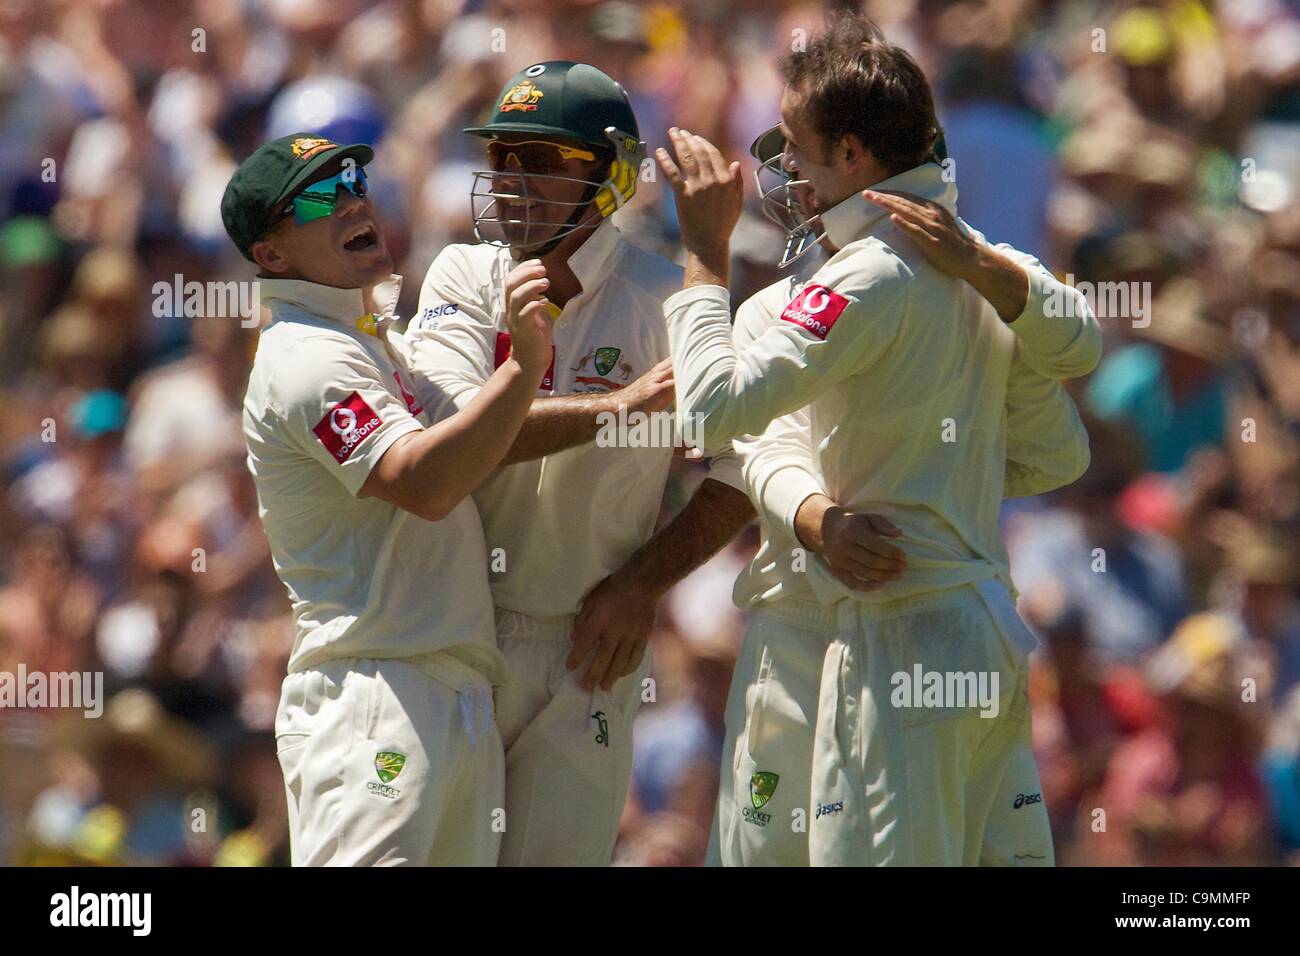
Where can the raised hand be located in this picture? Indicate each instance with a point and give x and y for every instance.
(527, 318)
(709, 193)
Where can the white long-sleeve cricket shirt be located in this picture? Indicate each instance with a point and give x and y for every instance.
(906, 395)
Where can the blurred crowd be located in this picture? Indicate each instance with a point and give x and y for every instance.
(1149, 148)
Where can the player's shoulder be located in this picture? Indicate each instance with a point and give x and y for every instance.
(648, 270)
(768, 301)
(780, 291)
(298, 333)
(461, 275)
(863, 282)
(472, 261)
(762, 308)
(867, 269)
(297, 358)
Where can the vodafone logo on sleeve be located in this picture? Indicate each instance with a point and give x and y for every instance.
(815, 309)
(345, 426)
(503, 353)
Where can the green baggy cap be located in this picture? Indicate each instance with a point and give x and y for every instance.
(274, 172)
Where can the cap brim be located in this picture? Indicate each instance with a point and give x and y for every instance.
(362, 153)
(534, 128)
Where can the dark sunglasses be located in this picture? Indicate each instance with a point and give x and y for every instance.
(534, 155)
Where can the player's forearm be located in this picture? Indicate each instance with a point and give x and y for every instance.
(1056, 326)
(430, 472)
(715, 514)
(779, 472)
(560, 422)
(707, 267)
(719, 389)
(1002, 282)
(1046, 443)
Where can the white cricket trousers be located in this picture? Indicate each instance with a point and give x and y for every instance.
(824, 766)
(568, 750)
(392, 762)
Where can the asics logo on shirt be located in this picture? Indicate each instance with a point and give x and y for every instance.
(435, 311)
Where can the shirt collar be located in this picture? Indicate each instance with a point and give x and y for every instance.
(592, 260)
(339, 305)
(856, 218)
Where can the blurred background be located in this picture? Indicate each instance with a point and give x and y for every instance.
(1155, 144)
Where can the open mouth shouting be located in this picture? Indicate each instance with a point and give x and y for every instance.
(363, 238)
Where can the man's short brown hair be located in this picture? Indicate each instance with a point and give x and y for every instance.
(857, 83)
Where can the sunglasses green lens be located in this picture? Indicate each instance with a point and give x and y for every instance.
(308, 209)
(319, 199)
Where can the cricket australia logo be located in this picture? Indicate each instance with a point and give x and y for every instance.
(602, 727)
(305, 147)
(388, 766)
(521, 96)
(606, 359)
(762, 786)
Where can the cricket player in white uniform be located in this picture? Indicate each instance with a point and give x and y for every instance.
(904, 383)
(771, 712)
(767, 756)
(576, 567)
(384, 729)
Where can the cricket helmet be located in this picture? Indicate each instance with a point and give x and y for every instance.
(569, 103)
(778, 193)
